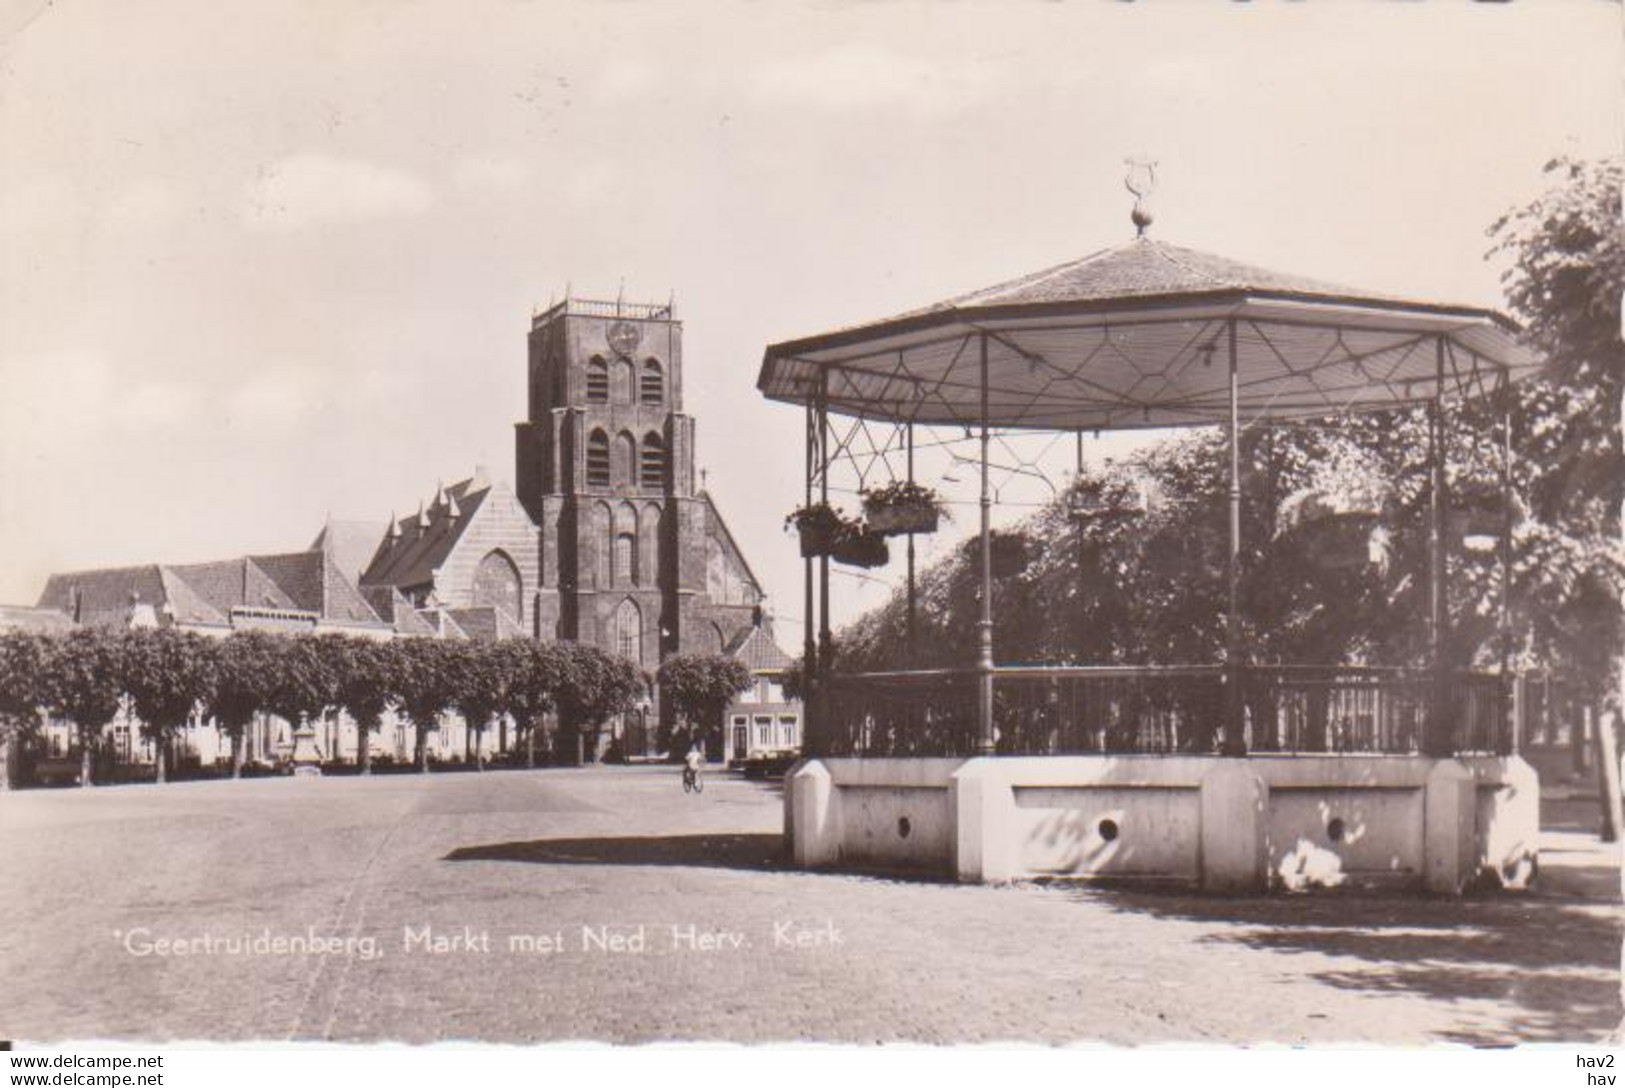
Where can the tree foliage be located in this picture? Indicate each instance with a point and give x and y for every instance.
(533, 673)
(1148, 585)
(166, 673)
(1564, 279)
(246, 665)
(593, 687)
(698, 687)
(80, 681)
(366, 677)
(480, 681)
(306, 675)
(22, 666)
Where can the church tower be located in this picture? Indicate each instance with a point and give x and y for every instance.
(632, 557)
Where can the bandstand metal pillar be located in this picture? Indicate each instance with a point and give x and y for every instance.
(1511, 731)
(1235, 743)
(1436, 739)
(809, 646)
(909, 657)
(826, 642)
(985, 740)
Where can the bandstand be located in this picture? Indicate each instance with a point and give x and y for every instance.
(1204, 772)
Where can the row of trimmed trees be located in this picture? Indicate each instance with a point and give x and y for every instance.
(166, 678)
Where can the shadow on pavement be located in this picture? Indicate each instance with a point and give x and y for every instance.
(1554, 962)
(758, 853)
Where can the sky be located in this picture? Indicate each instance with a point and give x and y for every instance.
(265, 263)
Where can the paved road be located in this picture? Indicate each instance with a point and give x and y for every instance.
(733, 947)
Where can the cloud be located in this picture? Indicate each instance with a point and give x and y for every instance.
(144, 204)
(625, 80)
(81, 393)
(278, 395)
(310, 189)
(53, 202)
(489, 173)
(160, 404)
(854, 77)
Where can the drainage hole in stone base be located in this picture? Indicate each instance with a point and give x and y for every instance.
(1335, 829)
(904, 827)
(1108, 830)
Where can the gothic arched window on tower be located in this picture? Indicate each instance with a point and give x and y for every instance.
(626, 559)
(626, 459)
(625, 389)
(652, 468)
(652, 389)
(598, 459)
(497, 583)
(628, 631)
(597, 380)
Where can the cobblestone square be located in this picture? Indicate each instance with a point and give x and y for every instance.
(605, 904)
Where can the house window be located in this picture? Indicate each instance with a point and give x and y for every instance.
(653, 387)
(597, 380)
(653, 465)
(598, 460)
(764, 731)
(787, 725)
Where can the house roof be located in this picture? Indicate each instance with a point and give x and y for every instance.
(351, 544)
(393, 608)
(314, 582)
(486, 624)
(758, 651)
(412, 557)
(233, 583)
(727, 535)
(105, 597)
(441, 623)
(26, 618)
(187, 605)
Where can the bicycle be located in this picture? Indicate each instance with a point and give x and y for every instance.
(692, 781)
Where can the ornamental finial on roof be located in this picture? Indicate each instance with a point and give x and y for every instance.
(1142, 182)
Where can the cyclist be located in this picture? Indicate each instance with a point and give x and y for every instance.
(693, 764)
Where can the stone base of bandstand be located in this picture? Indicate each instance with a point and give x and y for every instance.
(1219, 824)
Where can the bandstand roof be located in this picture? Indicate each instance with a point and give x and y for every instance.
(1138, 336)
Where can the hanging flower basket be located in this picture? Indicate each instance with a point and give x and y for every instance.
(862, 549)
(821, 527)
(901, 508)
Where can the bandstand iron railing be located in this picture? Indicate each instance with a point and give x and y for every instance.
(1141, 336)
(1160, 710)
